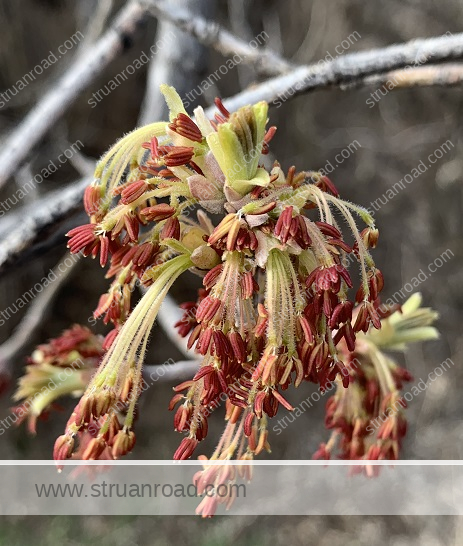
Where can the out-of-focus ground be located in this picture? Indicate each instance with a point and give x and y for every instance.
(419, 226)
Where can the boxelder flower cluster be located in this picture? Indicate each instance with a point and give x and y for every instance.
(64, 366)
(278, 305)
(367, 419)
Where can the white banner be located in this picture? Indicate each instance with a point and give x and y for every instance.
(276, 488)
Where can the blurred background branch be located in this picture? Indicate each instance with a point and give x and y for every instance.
(63, 93)
(209, 33)
(181, 62)
(446, 74)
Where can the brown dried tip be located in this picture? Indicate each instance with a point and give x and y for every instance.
(94, 449)
(370, 237)
(101, 403)
(123, 443)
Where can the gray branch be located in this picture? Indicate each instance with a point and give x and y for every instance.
(209, 33)
(447, 74)
(350, 68)
(18, 145)
(180, 61)
(35, 223)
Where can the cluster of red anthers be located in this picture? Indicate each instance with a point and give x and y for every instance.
(367, 420)
(64, 365)
(241, 364)
(275, 302)
(278, 304)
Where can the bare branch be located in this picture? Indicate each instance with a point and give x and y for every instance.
(350, 68)
(97, 22)
(180, 62)
(209, 33)
(62, 95)
(37, 222)
(423, 76)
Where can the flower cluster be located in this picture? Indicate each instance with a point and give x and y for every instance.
(278, 306)
(63, 366)
(367, 419)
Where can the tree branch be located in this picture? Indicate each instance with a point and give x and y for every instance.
(62, 95)
(210, 33)
(180, 62)
(37, 222)
(447, 74)
(349, 69)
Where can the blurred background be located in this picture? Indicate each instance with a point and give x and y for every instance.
(371, 140)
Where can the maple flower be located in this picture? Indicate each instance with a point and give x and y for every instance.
(279, 305)
(367, 419)
(275, 302)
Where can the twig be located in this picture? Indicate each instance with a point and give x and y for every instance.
(423, 76)
(62, 95)
(97, 21)
(37, 222)
(209, 33)
(181, 370)
(33, 318)
(350, 68)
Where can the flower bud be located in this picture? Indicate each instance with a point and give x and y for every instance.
(64, 446)
(123, 443)
(205, 257)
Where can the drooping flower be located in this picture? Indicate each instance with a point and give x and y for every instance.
(367, 419)
(279, 304)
